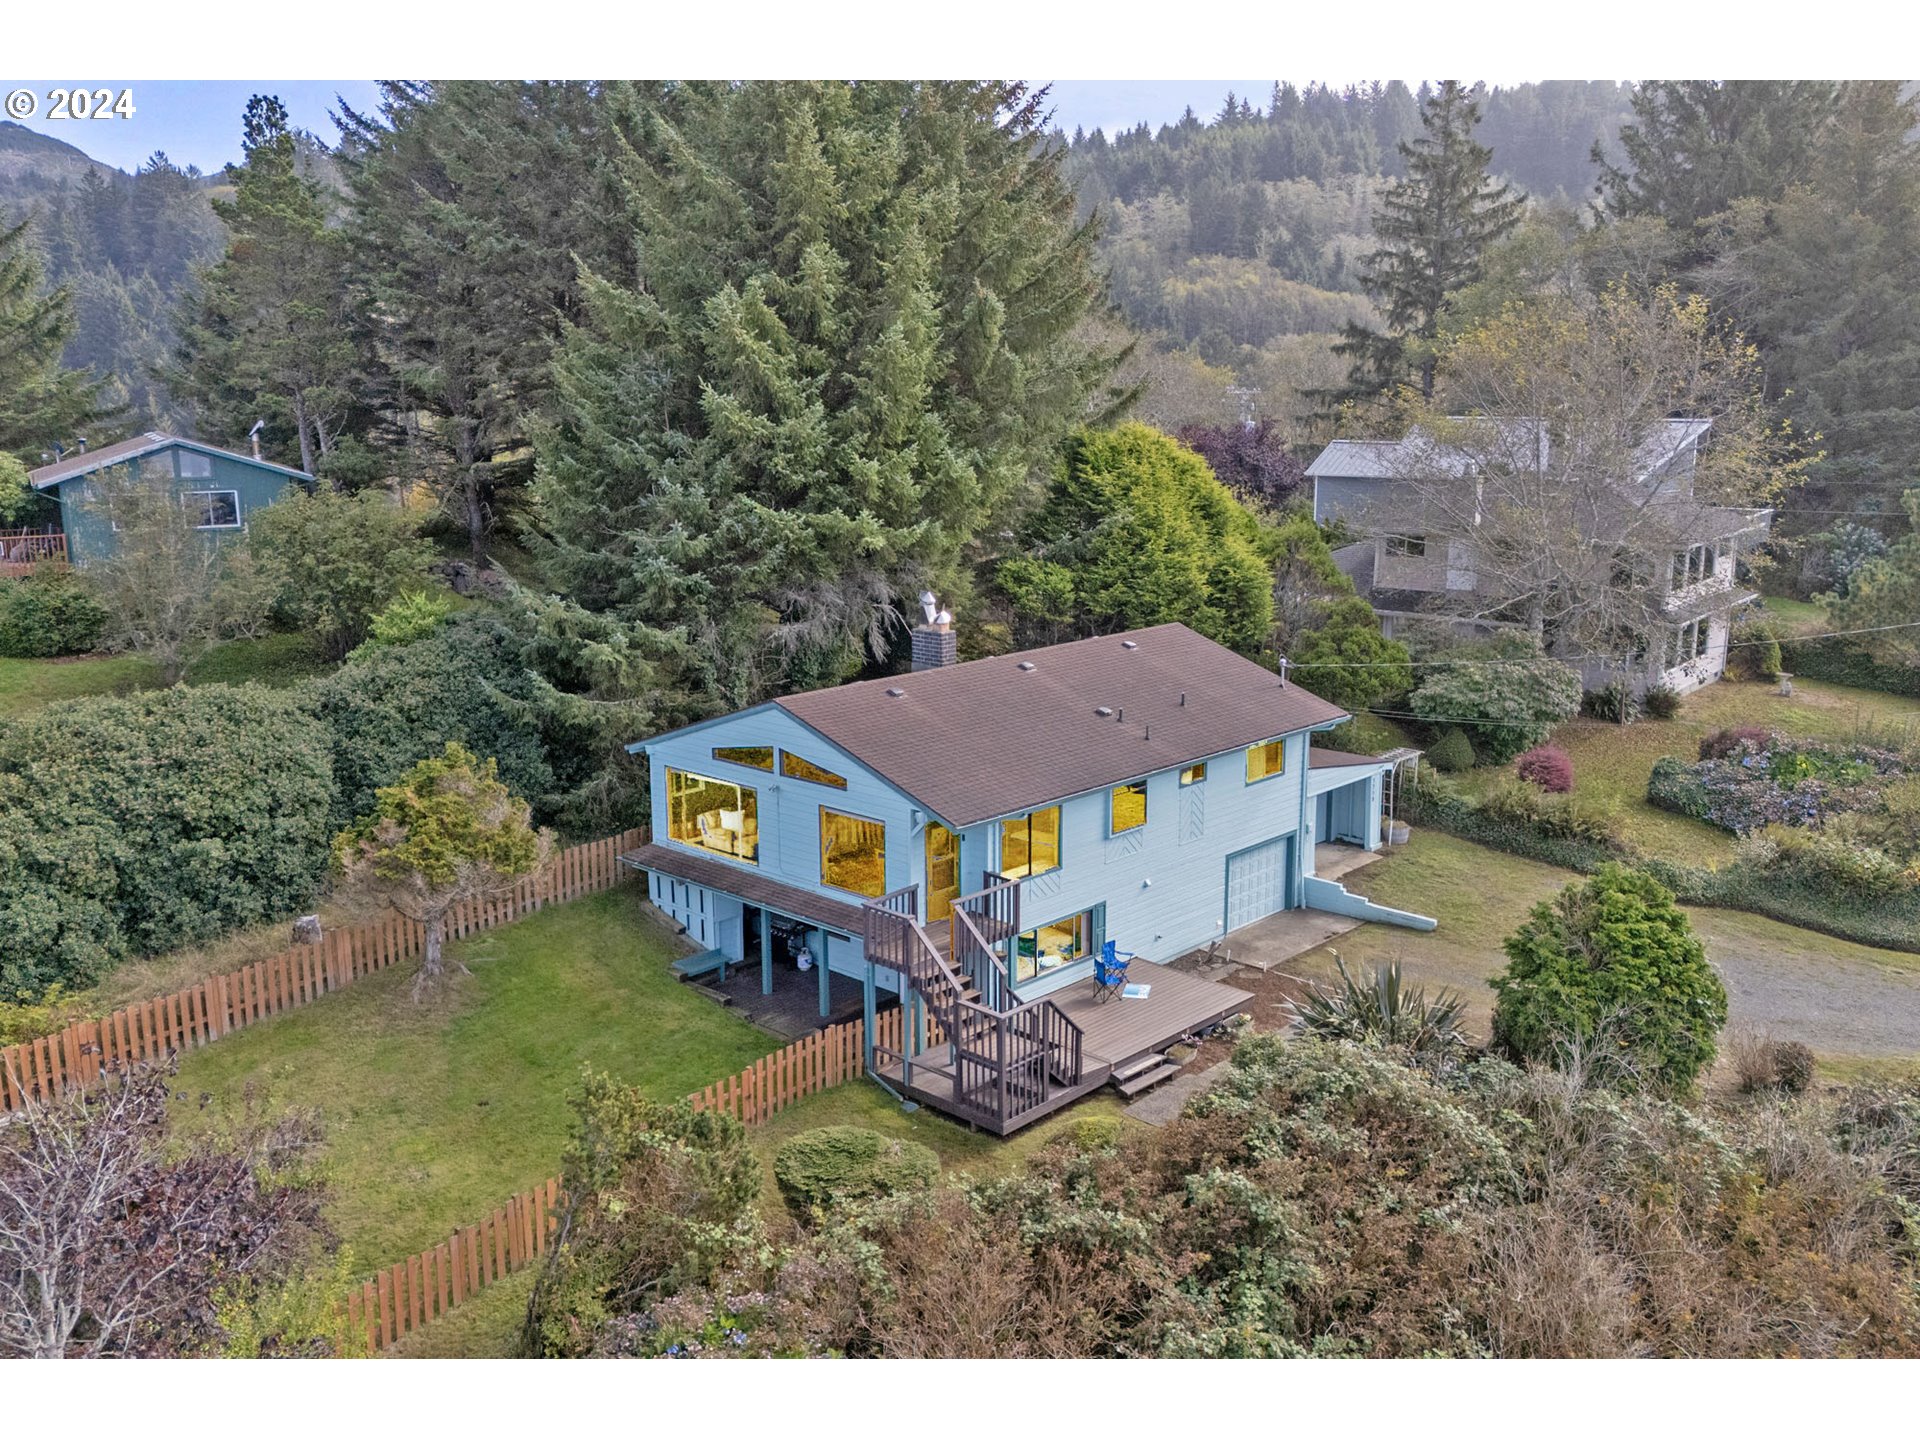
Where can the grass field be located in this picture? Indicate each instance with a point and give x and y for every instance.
(435, 1113)
(276, 660)
(1611, 763)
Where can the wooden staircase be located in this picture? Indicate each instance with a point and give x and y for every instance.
(993, 1059)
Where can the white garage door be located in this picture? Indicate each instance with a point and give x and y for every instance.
(1257, 881)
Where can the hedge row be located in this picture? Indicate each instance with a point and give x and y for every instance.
(1889, 924)
(1839, 663)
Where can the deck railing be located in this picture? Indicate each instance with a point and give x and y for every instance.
(1008, 1057)
(21, 550)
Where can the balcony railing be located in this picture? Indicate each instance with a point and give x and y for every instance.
(21, 550)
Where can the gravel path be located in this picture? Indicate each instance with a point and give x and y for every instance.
(1838, 998)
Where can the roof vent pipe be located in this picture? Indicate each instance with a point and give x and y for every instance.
(1285, 665)
(1183, 699)
(1120, 714)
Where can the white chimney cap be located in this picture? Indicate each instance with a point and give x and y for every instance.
(930, 605)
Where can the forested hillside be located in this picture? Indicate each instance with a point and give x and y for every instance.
(1235, 243)
(124, 244)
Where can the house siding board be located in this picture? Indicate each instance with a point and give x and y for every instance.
(90, 536)
(1348, 496)
(1185, 905)
(789, 808)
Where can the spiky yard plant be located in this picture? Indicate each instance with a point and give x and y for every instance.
(1382, 1008)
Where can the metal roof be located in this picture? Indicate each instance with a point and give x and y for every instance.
(995, 737)
(1394, 459)
(85, 462)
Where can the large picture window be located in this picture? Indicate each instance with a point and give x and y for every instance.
(194, 465)
(1048, 947)
(799, 769)
(212, 509)
(1129, 807)
(1030, 844)
(716, 815)
(1266, 761)
(853, 853)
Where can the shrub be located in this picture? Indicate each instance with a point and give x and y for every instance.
(50, 612)
(1613, 702)
(1452, 753)
(1841, 663)
(1506, 704)
(1792, 1065)
(1724, 744)
(1753, 653)
(1662, 702)
(1095, 1132)
(836, 1163)
(1547, 766)
(1384, 1009)
(413, 616)
(393, 706)
(1346, 661)
(1855, 872)
(332, 561)
(658, 1197)
(132, 826)
(1610, 975)
(1565, 817)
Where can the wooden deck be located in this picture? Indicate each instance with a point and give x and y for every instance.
(1116, 1030)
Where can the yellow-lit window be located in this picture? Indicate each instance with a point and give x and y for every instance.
(853, 853)
(792, 764)
(760, 757)
(1265, 761)
(1193, 774)
(715, 815)
(1030, 844)
(1129, 807)
(1051, 946)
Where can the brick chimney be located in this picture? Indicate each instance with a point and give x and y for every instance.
(934, 643)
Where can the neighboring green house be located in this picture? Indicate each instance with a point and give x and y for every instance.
(220, 488)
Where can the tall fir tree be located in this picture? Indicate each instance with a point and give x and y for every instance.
(849, 346)
(42, 402)
(1696, 146)
(473, 205)
(1434, 226)
(271, 333)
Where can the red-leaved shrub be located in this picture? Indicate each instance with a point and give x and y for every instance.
(1548, 767)
(1722, 743)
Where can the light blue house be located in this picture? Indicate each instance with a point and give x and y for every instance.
(220, 489)
(968, 836)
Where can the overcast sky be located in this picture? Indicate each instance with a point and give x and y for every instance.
(197, 122)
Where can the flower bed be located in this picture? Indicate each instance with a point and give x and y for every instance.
(1749, 782)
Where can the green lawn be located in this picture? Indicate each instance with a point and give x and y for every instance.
(436, 1113)
(276, 660)
(28, 684)
(1611, 763)
(1795, 617)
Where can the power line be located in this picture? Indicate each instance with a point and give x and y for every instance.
(1435, 664)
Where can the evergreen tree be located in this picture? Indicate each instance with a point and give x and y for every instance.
(472, 206)
(271, 332)
(1434, 226)
(1137, 531)
(42, 404)
(1696, 146)
(850, 342)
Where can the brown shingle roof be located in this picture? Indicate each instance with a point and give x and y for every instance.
(1321, 759)
(844, 916)
(991, 738)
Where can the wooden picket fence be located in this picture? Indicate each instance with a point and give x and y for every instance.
(187, 1019)
(421, 1288)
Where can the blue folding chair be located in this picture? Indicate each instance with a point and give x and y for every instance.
(1110, 971)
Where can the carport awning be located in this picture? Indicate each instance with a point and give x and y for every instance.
(788, 900)
(1334, 769)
